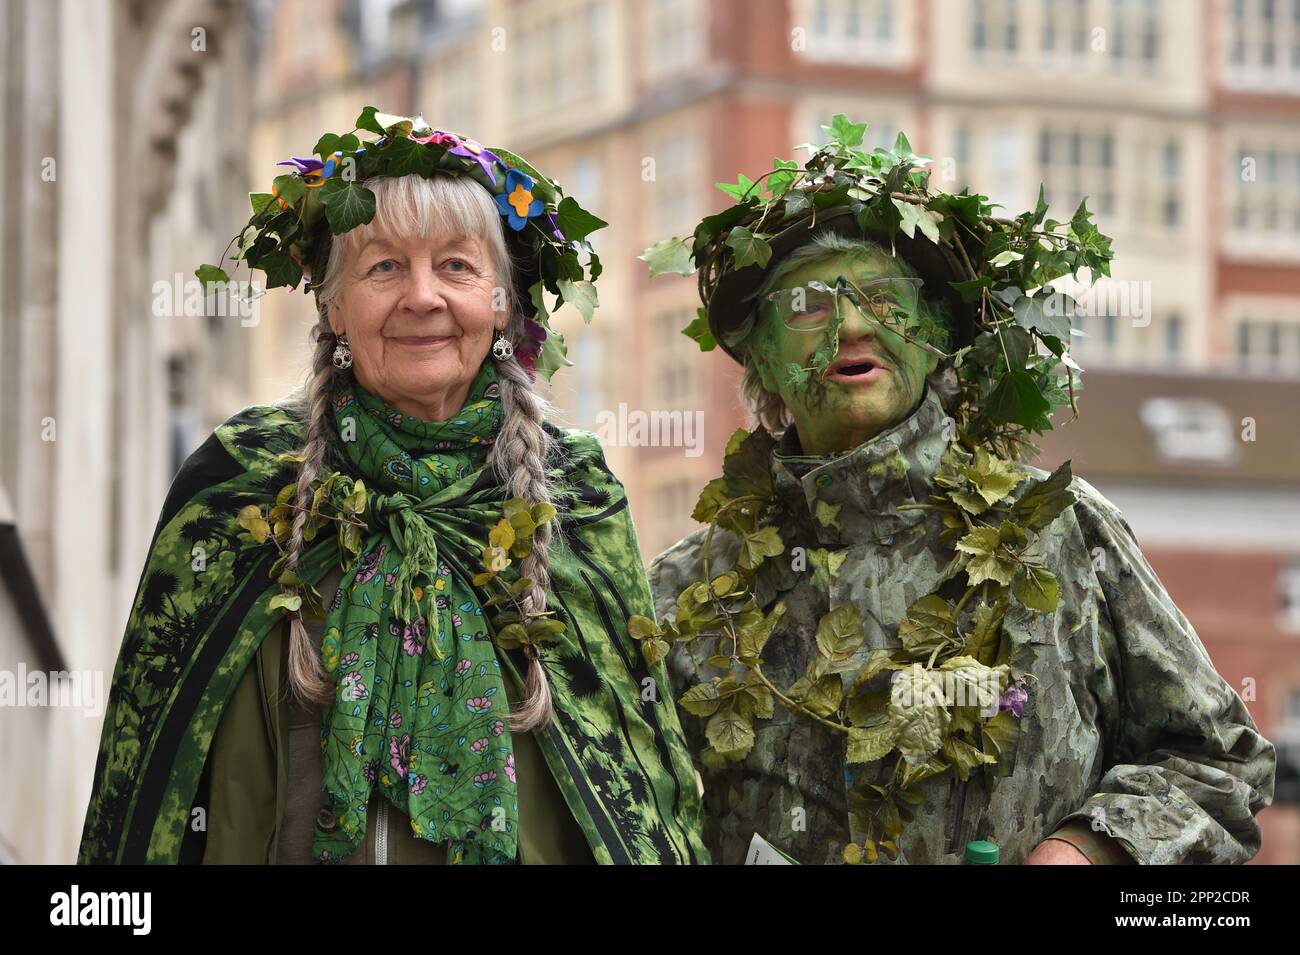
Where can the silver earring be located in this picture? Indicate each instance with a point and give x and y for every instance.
(342, 353)
(502, 348)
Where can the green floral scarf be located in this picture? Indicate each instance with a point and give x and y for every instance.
(208, 598)
(420, 694)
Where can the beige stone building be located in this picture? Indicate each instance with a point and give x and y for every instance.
(1179, 120)
(122, 166)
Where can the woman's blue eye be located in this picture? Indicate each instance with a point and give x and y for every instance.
(379, 265)
(458, 262)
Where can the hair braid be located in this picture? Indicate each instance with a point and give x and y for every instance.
(307, 675)
(519, 456)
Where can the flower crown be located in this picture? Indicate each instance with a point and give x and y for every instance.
(322, 197)
(996, 272)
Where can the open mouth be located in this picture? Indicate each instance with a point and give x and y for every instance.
(863, 369)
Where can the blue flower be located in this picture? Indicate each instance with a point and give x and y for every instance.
(517, 203)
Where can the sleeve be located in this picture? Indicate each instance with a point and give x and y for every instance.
(1187, 771)
(241, 810)
(1099, 848)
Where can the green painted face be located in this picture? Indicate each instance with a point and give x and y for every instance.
(876, 376)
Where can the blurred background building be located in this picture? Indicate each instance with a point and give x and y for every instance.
(1180, 121)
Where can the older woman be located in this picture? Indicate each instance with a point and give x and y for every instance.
(899, 642)
(380, 620)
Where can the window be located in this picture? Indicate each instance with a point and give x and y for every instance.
(1065, 31)
(1075, 162)
(676, 37)
(558, 59)
(995, 30)
(1268, 344)
(1007, 187)
(1264, 196)
(1174, 338)
(1135, 34)
(1262, 48)
(854, 31)
(1289, 591)
(674, 358)
(963, 152)
(1169, 182)
(1157, 197)
(675, 189)
(674, 501)
(584, 184)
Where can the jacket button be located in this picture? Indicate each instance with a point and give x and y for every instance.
(325, 819)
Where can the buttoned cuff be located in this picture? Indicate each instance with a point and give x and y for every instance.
(1100, 848)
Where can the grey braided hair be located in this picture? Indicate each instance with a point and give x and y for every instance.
(406, 206)
(767, 408)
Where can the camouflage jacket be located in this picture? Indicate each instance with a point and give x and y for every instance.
(1128, 728)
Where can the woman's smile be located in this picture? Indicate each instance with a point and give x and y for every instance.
(425, 341)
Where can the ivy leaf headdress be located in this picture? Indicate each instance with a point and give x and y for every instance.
(318, 198)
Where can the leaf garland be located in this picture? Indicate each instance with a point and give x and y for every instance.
(921, 710)
(327, 197)
(1017, 369)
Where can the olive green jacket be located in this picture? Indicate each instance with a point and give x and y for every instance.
(1128, 729)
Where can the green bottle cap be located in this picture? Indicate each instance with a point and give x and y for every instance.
(981, 852)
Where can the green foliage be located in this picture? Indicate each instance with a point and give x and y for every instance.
(1010, 378)
(302, 208)
(897, 709)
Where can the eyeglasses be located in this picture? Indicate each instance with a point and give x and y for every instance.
(810, 307)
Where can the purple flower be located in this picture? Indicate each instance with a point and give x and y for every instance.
(1014, 700)
(534, 337)
(479, 153)
(417, 783)
(413, 638)
(510, 767)
(399, 750)
(555, 226)
(302, 165)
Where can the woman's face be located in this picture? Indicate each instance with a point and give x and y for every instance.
(877, 376)
(419, 319)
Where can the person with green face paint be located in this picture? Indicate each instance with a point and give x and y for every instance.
(854, 295)
(893, 636)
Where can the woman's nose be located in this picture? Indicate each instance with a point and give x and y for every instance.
(423, 289)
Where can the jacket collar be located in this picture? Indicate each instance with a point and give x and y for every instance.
(868, 483)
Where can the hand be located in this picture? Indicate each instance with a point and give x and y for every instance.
(1056, 852)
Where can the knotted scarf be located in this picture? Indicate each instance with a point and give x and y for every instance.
(420, 704)
(206, 603)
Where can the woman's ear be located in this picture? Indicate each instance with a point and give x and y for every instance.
(335, 319)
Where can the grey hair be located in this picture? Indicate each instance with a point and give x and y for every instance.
(766, 407)
(409, 206)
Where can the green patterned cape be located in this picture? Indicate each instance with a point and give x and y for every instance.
(615, 746)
